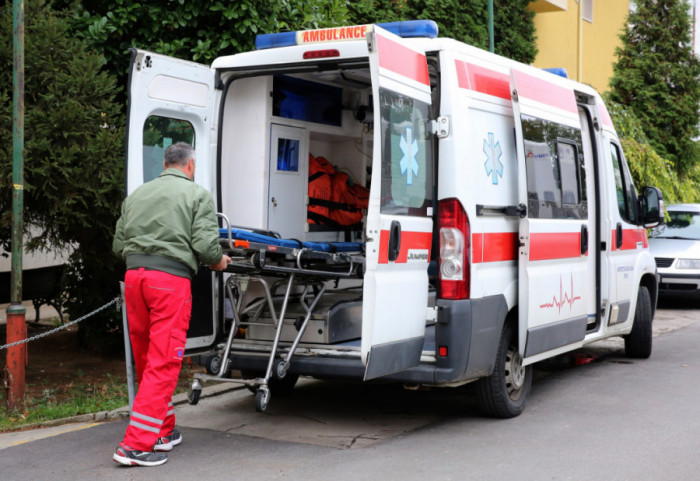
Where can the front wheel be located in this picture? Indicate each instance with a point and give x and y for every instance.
(504, 393)
(638, 342)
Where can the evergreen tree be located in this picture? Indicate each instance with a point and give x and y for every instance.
(74, 156)
(657, 77)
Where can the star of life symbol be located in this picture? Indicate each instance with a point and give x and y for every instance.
(493, 164)
(408, 163)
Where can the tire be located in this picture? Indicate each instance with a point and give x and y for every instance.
(638, 343)
(504, 393)
(262, 399)
(193, 396)
(279, 387)
(213, 364)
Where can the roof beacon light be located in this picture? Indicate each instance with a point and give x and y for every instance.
(407, 29)
(557, 71)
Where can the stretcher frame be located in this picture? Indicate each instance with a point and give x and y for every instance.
(295, 268)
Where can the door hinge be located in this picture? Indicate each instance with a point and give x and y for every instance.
(440, 127)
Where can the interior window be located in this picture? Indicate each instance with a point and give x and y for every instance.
(406, 155)
(626, 194)
(288, 155)
(158, 134)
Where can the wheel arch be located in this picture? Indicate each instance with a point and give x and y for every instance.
(649, 281)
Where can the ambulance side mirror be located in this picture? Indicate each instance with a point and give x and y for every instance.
(651, 207)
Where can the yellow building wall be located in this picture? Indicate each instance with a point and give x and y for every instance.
(586, 49)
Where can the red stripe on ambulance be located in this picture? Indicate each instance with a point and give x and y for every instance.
(482, 80)
(604, 114)
(630, 239)
(402, 60)
(494, 247)
(409, 241)
(555, 245)
(544, 92)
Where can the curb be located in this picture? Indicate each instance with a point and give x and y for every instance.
(123, 412)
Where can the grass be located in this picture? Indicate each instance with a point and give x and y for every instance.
(77, 398)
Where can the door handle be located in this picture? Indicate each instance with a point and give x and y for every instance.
(394, 240)
(618, 236)
(584, 239)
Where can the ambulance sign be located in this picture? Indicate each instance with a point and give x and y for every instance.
(335, 34)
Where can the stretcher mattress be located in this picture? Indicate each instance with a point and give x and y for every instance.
(241, 234)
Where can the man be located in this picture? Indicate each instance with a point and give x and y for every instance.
(167, 227)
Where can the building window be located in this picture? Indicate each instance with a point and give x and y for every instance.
(587, 10)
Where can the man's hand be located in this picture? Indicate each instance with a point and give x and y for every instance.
(225, 260)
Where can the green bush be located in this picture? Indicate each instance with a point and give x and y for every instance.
(646, 165)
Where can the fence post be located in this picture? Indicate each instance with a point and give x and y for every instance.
(16, 321)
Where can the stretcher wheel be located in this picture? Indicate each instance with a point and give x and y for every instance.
(213, 366)
(262, 398)
(280, 370)
(195, 392)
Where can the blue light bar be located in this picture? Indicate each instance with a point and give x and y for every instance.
(557, 71)
(274, 40)
(406, 29)
(412, 28)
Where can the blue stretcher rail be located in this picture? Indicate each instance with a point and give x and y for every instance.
(330, 247)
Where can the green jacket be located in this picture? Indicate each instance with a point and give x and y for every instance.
(168, 224)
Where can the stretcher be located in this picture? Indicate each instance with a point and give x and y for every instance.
(289, 271)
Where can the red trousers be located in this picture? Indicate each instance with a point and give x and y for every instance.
(158, 307)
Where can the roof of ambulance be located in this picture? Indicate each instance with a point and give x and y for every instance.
(357, 49)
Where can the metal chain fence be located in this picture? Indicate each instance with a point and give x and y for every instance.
(116, 300)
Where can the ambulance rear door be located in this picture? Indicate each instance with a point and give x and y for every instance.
(399, 219)
(171, 100)
(555, 284)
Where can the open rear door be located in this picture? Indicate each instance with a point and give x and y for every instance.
(554, 283)
(399, 219)
(171, 100)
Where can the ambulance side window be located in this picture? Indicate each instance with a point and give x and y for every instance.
(623, 185)
(554, 165)
(407, 155)
(158, 134)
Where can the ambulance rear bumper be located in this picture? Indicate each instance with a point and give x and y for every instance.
(468, 331)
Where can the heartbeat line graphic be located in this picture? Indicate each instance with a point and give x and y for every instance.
(563, 297)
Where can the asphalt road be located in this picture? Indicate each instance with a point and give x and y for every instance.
(612, 419)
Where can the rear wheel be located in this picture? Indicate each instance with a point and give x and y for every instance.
(504, 393)
(638, 342)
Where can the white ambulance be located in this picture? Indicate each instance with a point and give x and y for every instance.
(502, 227)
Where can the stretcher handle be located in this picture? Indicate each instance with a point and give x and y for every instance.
(316, 271)
(228, 227)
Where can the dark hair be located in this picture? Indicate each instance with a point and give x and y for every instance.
(178, 154)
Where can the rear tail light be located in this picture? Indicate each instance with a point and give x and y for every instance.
(454, 234)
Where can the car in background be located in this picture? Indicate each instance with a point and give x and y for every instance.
(676, 248)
